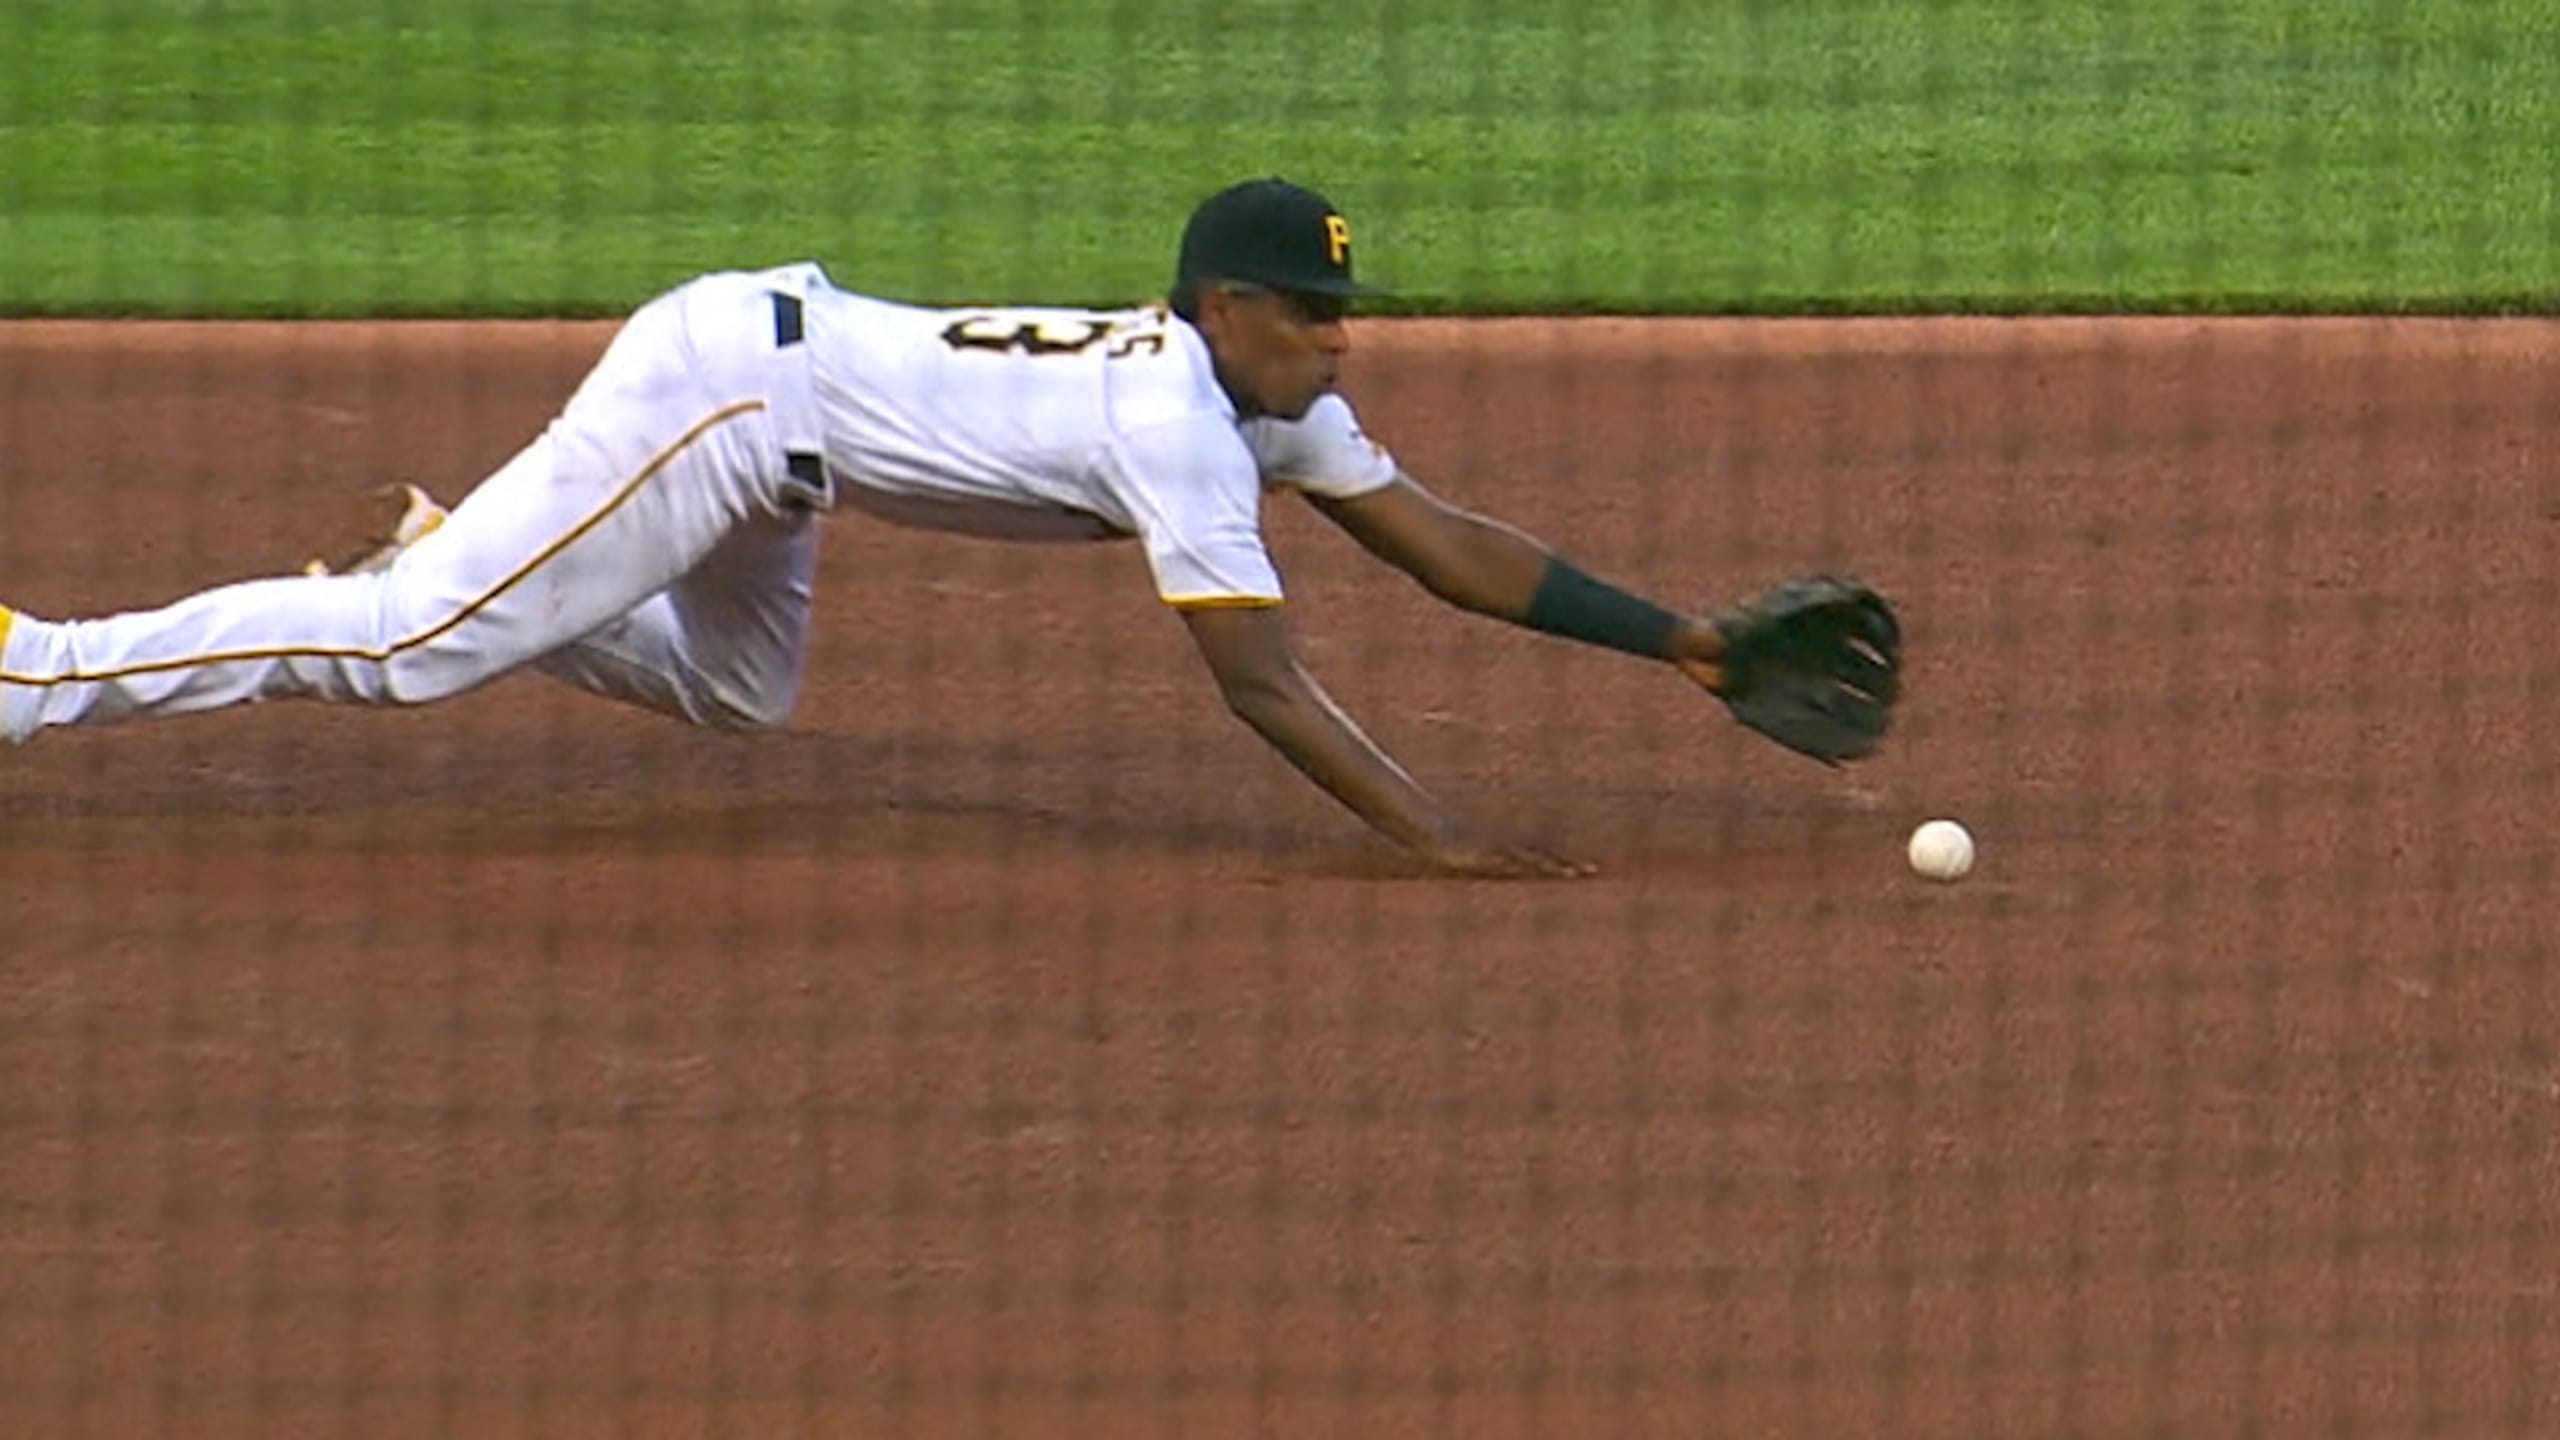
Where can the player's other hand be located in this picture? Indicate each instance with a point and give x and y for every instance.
(1465, 860)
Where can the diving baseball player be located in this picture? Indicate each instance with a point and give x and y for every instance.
(656, 543)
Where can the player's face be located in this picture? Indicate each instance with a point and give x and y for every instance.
(1280, 352)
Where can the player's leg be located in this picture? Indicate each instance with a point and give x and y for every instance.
(647, 468)
(724, 646)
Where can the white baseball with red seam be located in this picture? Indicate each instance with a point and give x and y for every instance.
(1941, 850)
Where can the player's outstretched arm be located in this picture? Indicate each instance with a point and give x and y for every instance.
(1247, 649)
(1813, 664)
(1482, 565)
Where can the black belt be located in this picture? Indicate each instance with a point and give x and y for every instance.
(788, 330)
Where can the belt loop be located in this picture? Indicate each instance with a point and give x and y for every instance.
(786, 320)
(809, 473)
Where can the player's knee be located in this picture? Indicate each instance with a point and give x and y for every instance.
(426, 654)
(427, 674)
(748, 710)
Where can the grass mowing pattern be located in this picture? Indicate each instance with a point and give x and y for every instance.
(571, 156)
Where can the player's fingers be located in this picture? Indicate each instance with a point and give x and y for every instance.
(1707, 674)
(1547, 864)
(1863, 669)
(1509, 862)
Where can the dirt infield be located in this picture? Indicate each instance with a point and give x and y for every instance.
(1015, 1048)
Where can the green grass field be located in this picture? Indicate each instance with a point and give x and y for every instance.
(571, 156)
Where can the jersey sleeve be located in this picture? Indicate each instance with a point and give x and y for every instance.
(1191, 487)
(1323, 453)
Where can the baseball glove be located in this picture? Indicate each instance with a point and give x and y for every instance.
(1813, 664)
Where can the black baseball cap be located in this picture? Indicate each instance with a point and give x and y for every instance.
(1273, 233)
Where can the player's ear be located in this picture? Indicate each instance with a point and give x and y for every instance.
(1216, 308)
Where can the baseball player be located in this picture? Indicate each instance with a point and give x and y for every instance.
(656, 543)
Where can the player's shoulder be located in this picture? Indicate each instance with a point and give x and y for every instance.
(1172, 418)
(1325, 451)
(1159, 372)
(1331, 417)
(1330, 425)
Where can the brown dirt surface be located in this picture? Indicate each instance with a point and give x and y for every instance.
(1015, 1048)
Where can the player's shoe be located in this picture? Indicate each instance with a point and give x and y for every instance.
(8, 619)
(404, 515)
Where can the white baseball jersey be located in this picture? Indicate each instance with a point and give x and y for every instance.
(1068, 424)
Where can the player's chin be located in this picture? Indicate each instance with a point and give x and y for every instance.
(1306, 401)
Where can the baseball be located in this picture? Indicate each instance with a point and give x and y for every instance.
(1941, 850)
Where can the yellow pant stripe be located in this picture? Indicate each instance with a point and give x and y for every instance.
(621, 497)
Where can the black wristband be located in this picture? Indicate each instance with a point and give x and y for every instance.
(1572, 604)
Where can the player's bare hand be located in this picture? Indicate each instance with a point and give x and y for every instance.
(1503, 862)
(1708, 674)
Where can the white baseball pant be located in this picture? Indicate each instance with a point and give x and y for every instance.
(653, 545)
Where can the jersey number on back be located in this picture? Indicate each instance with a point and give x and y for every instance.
(1016, 334)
